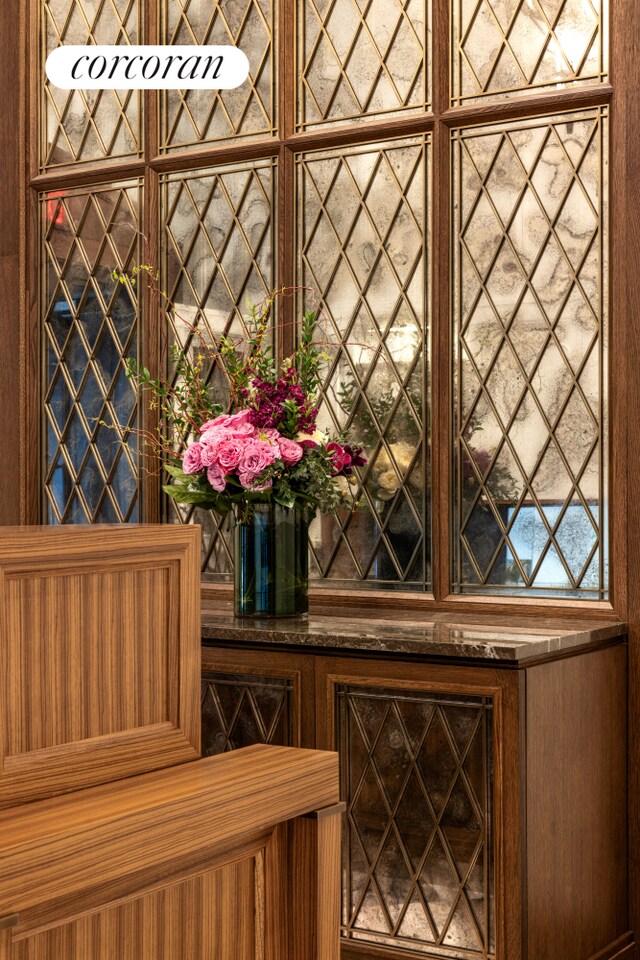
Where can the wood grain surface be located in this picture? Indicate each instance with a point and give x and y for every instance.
(59, 857)
(100, 655)
(209, 915)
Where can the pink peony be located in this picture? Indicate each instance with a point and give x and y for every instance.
(229, 453)
(192, 459)
(341, 458)
(215, 476)
(290, 451)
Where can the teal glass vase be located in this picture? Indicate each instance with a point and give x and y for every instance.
(271, 563)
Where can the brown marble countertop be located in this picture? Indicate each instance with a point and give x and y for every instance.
(436, 635)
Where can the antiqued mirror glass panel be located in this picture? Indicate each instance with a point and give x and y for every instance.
(190, 117)
(504, 48)
(83, 125)
(530, 310)
(417, 776)
(89, 328)
(363, 251)
(358, 60)
(218, 246)
(239, 710)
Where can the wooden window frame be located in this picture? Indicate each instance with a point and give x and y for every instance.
(20, 228)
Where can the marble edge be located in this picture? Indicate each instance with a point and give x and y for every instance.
(474, 642)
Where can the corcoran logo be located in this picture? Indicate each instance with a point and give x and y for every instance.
(147, 68)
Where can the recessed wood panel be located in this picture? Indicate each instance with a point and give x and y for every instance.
(100, 655)
(210, 915)
(77, 696)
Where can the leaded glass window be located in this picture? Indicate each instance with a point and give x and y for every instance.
(88, 125)
(530, 370)
(425, 175)
(90, 327)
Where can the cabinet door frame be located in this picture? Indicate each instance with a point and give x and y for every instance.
(506, 688)
(258, 662)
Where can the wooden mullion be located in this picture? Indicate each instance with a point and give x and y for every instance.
(88, 175)
(214, 155)
(285, 235)
(440, 363)
(29, 266)
(371, 131)
(520, 108)
(150, 312)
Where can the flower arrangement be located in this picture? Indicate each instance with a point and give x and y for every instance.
(264, 446)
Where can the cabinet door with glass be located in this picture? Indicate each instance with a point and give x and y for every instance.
(422, 751)
(252, 697)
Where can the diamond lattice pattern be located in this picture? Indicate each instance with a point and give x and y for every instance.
(218, 230)
(199, 116)
(90, 328)
(358, 59)
(508, 47)
(238, 711)
(362, 242)
(83, 125)
(530, 379)
(416, 775)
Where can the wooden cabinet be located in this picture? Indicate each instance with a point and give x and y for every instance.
(486, 804)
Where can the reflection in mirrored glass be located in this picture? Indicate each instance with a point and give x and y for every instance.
(505, 48)
(83, 125)
(218, 229)
(363, 254)
(530, 301)
(357, 60)
(189, 117)
(90, 327)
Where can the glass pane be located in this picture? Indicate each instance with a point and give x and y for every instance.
(530, 303)
(362, 246)
(505, 48)
(82, 125)
(90, 327)
(204, 116)
(416, 772)
(218, 253)
(240, 710)
(358, 60)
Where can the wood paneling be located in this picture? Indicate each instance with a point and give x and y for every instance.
(576, 747)
(107, 837)
(209, 915)
(315, 885)
(100, 655)
(196, 861)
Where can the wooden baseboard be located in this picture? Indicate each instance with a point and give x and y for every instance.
(624, 948)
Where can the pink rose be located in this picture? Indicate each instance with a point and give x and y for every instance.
(215, 476)
(341, 458)
(210, 443)
(243, 429)
(290, 451)
(212, 424)
(256, 457)
(235, 419)
(229, 453)
(192, 459)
